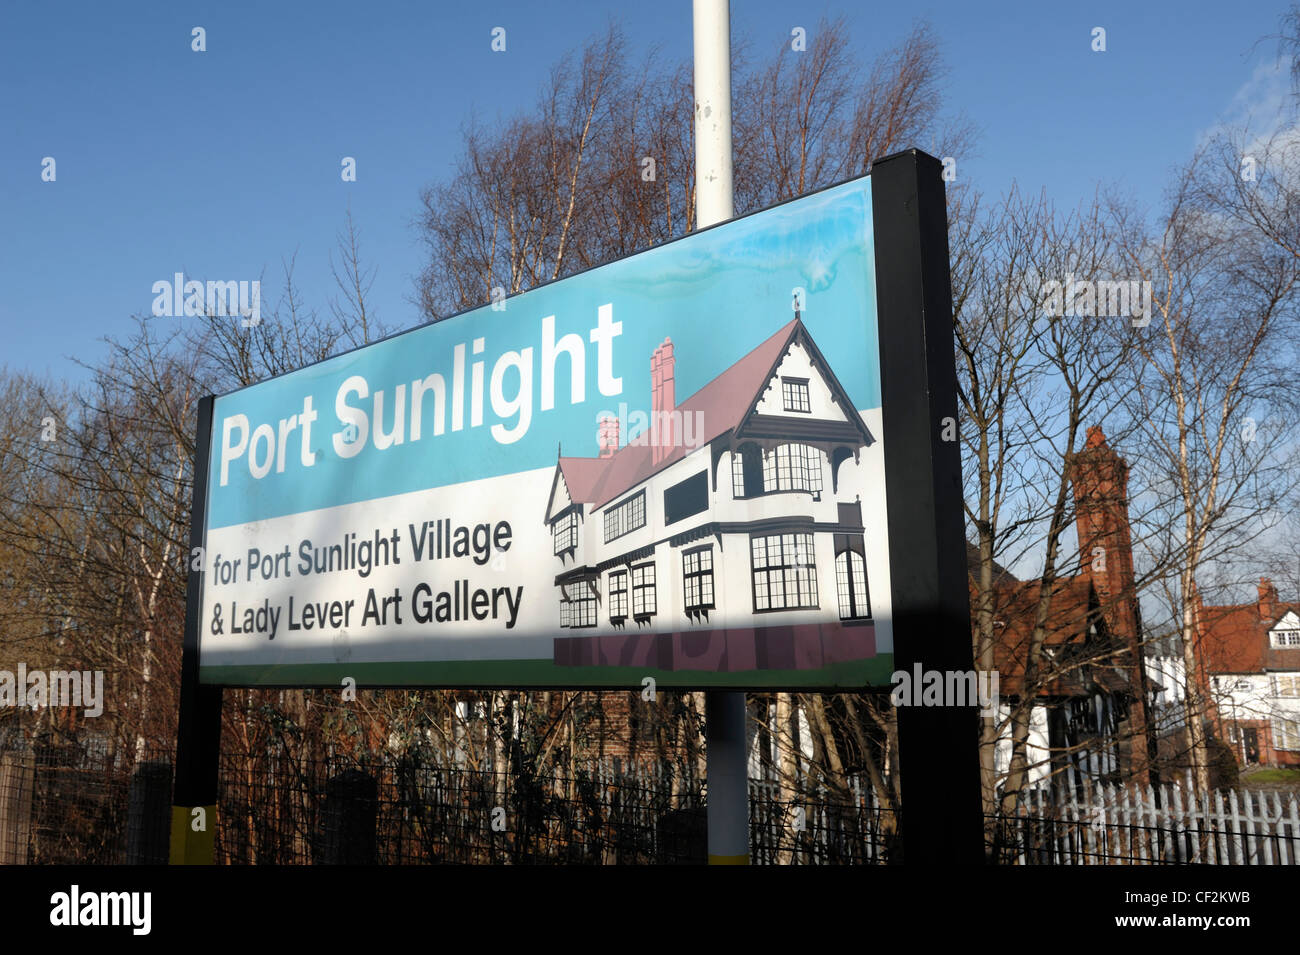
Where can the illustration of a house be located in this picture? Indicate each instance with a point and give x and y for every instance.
(727, 535)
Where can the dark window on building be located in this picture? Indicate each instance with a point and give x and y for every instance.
(625, 517)
(785, 575)
(618, 595)
(566, 533)
(793, 467)
(697, 570)
(851, 566)
(747, 471)
(643, 590)
(578, 604)
(851, 582)
(689, 497)
(794, 391)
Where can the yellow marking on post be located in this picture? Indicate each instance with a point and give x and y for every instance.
(187, 846)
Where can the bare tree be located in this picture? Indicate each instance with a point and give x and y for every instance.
(1215, 387)
(604, 165)
(1034, 369)
(354, 320)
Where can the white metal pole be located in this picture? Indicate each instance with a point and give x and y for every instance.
(724, 721)
(713, 192)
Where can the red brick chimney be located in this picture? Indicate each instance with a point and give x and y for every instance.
(1100, 478)
(1267, 599)
(607, 435)
(663, 400)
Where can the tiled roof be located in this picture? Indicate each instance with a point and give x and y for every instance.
(1000, 573)
(1066, 669)
(720, 406)
(1234, 639)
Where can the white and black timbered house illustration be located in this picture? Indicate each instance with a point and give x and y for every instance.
(739, 507)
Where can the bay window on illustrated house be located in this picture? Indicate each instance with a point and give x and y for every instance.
(632, 589)
(578, 602)
(565, 531)
(787, 467)
(617, 596)
(697, 580)
(785, 577)
(643, 591)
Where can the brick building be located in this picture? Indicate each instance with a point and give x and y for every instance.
(1250, 661)
(1090, 720)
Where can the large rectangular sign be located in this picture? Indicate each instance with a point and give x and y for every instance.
(671, 466)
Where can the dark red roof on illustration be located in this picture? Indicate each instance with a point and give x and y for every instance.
(719, 406)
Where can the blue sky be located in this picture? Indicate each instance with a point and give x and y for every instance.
(223, 163)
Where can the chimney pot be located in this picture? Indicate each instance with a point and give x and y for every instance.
(663, 400)
(1267, 598)
(607, 435)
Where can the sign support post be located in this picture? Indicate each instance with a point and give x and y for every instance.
(198, 734)
(724, 711)
(938, 751)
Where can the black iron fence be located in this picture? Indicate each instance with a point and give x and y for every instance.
(412, 811)
(63, 804)
(73, 803)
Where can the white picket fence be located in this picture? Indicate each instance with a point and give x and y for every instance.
(1113, 825)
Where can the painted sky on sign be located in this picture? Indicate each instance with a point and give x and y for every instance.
(717, 294)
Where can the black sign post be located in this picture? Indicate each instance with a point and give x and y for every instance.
(938, 745)
(198, 735)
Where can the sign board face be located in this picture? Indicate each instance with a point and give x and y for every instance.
(670, 466)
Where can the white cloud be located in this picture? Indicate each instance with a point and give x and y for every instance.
(1262, 119)
(1265, 104)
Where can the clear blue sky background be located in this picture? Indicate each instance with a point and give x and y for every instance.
(221, 164)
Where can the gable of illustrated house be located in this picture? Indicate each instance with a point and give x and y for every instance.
(1251, 661)
(744, 499)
